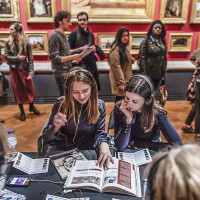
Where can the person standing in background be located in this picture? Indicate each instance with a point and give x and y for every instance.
(152, 59)
(120, 61)
(18, 54)
(59, 50)
(83, 37)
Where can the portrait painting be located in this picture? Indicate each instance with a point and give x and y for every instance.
(195, 14)
(38, 42)
(136, 39)
(180, 42)
(4, 36)
(105, 41)
(174, 11)
(9, 10)
(114, 11)
(40, 10)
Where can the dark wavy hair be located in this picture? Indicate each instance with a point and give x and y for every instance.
(121, 46)
(162, 34)
(60, 16)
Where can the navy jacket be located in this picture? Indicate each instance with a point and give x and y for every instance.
(88, 136)
(134, 133)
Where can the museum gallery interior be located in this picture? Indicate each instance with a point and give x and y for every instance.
(182, 23)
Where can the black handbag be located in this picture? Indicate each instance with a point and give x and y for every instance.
(4, 84)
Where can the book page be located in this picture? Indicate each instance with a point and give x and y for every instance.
(85, 174)
(87, 51)
(122, 178)
(52, 197)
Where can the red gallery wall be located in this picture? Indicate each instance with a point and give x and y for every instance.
(112, 28)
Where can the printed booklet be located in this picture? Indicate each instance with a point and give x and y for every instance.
(64, 161)
(121, 177)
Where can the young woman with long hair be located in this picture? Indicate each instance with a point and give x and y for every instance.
(78, 119)
(138, 120)
(120, 61)
(18, 54)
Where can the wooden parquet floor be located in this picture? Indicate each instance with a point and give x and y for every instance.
(27, 132)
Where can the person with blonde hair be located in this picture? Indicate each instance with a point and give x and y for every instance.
(78, 119)
(174, 175)
(18, 54)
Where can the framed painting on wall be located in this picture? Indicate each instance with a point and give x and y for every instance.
(9, 11)
(112, 11)
(180, 42)
(105, 41)
(174, 11)
(195, 14)
(135, 40)
(42, 11)
(67, 34)
(4, 35)
(38, 41)
(198, 43)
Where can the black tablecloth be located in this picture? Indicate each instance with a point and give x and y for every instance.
(39, 190)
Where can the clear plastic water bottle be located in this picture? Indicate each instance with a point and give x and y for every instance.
(12, 145)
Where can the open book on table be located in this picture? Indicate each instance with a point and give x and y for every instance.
(121, 177)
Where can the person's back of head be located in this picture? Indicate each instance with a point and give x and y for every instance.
(174, 175)
(3, 150)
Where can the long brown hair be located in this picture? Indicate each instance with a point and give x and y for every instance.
(78, 74)
(20, 37)
(140, 86)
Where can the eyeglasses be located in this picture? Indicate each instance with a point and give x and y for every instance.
(82, 20)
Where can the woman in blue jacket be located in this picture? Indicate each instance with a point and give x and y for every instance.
(78, 119)
(139, 120)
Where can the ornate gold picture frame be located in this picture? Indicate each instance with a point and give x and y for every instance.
(174, 11)
(180, 42)
(135, 40)
(4, 36)
(9, 11)
(195, 14)
(115, 11)
(38, 41)
(40, 11)
(67, 34)
(105, 41)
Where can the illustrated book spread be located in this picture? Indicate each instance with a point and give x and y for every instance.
(64, 161)
(120, 177)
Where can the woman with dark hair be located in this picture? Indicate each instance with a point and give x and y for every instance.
(120, 61)
(138, 120)
(18, 54)
(78, 119)
(152, 59)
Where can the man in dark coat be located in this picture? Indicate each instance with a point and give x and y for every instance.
(83, 37)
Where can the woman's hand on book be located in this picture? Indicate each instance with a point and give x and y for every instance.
(104, 155)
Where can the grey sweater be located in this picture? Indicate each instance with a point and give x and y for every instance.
(59, 47)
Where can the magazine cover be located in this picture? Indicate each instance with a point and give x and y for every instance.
(64, 161)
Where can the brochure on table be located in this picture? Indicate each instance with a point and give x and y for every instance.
(31, 166)
(140, 157)
(9, 195)
(51, 197)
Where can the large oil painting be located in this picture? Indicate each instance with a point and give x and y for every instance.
(195, 14)
(40, 10)
(115, 11)
(9, 10)
(174, 11)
